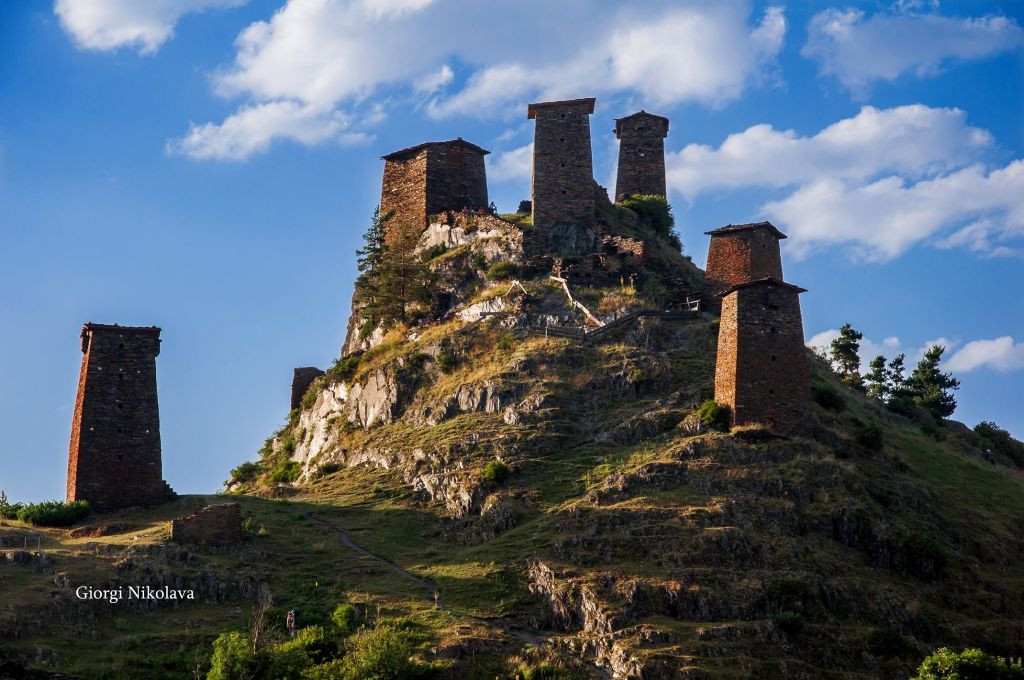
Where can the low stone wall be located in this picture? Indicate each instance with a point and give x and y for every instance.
(214, 524)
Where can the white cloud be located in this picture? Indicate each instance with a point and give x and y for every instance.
(1001, 354)
(877, 183)
(889, 348)
(345, 56)
(859, 50)
(141, 24)
(707, 54)
(252, 128)
(516, 164)
(913, 140)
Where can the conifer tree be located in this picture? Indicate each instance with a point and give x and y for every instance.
(845, 356)
(370, 254)
(877, 379)
(932, 389)
(394, 276)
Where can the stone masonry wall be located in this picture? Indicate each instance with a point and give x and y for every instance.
(761, 369)
(738, 257)
(213, 525)
(641, 155)
(114, 457)
(404, 189)
(302, 378)
(562, 185)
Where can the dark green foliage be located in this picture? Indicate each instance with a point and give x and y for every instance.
(998, 440)
(507, 342)
(286, 472)
(826, 397)
(436, 250)
(653, 210)
(869, 436)
(496, 472)
(384, 653)
(479, 261)
(845, 355)
(930, 388)
(393, 276)
(309, 397)
(370, 255)
(345, 619)
(232, 657)
(714, 415)
(970, 664)
(888, 642)
(344, 367)
(789, 593)
(789, 623)
(502, 271)
(923, 556)
(8, 510)
(446, 359)
(244, 473)
(546, 671)
(54, 513)
(877, 379)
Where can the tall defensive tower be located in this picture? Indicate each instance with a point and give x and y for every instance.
(761, 367)
(739, 253)
(432, 177)
(641, 155)
(563, 172)
(114, 458)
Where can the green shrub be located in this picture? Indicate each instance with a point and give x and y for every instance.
(501, 271)
(654, 210)
(970, 664)
(545, 671)
(312, 392)
(445, 359)
(344, 367)
(232, 657)
(923, 555)
(479, 261)
(243, 474)
(54, 513)
(789, 623)
(827, 397)
(496, 472)
(714, 415)
(434, 251)
(869, 436)
(345, 619)
(332, 670)
(887, 642)
(286, 472)
(507, 342)
(384, 653)
(787, 593)
(998, 440)
(8, 510)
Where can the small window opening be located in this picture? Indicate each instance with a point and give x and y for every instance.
(773, 357)
(120, 405)
(120, 345)
(772, 392)
(120, 456)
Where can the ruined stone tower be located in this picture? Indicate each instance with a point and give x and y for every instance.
(302, 378)
(641, 155)
(739, 253)
(114, 459)
(428, 178)
(761, 367)
(563, 173)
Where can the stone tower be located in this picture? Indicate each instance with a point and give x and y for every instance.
(114, 459)
(302, 378)
(761, 368)
(429, 178)
(641, 155)
(563, 172)
(739, 253)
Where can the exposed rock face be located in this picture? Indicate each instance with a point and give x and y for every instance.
(213, 525)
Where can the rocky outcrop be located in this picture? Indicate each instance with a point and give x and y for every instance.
(213, 525)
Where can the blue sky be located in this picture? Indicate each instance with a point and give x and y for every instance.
(210, 165)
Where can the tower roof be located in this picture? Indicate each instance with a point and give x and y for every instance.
(531, 109)
(639, 114)
(412, 150)
(115, 327)
(733, 228)
(766, 281)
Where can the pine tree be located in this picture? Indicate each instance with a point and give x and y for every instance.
(846, 356)
(932, 389)
(877, 379)
(370, 254)
(394, 275)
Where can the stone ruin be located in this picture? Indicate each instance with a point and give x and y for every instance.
(213, 525)
(302, 378)
(641, 155)
(114, 456)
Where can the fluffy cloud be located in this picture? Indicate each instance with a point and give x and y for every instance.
(516, 164)
(252, 128)
(877, 183)
(1001, 354)
(143, 25)
(859, 50)
(344, 56)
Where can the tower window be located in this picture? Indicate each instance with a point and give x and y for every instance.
(120, 345)
(772, 392)
(773, 357)
(120, 405)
